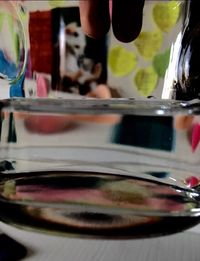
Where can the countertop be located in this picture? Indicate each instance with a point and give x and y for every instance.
(178, 247)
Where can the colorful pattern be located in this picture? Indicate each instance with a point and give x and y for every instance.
(151, 51)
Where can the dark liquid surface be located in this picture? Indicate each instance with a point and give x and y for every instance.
(96, 205)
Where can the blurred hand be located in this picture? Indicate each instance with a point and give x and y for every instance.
(126, 18)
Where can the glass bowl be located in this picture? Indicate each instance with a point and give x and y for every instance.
(115, 168)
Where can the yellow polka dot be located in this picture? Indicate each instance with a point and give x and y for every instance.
(149, 43)
(57, 3)
(146, 81)
(121, 61)
(166, 15)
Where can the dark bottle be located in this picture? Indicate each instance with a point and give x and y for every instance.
(187, 86)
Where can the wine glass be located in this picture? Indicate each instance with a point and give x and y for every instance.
(13, 46)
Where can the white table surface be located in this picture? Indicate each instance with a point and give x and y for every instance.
(179, 247)
(183, 246)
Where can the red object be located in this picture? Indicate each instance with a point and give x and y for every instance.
(195, 136)
(48, 124)
(42, 86)
(40, 28)
(192, 181)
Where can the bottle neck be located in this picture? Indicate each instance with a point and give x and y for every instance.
(187, 85)
(191, 18)
(193, 13)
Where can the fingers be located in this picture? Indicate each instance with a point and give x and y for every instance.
(127, 19)
(95, 19)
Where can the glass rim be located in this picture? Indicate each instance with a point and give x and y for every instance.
(127, 106)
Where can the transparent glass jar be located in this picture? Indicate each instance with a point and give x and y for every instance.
(93, 140)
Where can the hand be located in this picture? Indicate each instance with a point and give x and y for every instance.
(126, 18)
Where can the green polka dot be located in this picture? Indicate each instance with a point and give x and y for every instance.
(121, 61)
(146, 81)
(166, 15)
(161, 62)
(149, 43)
